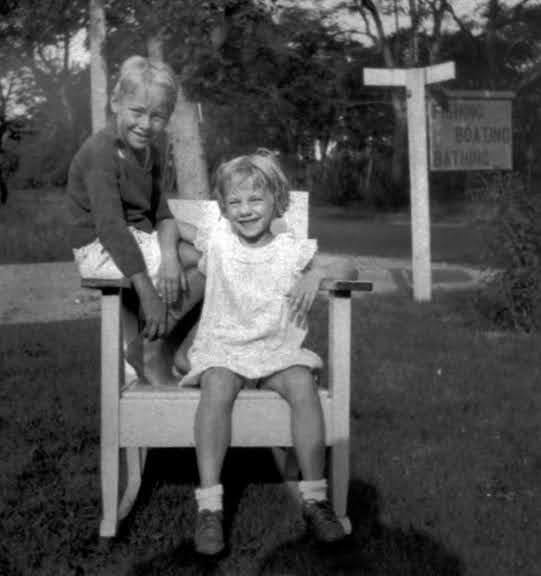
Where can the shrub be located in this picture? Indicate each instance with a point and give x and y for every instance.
(352, 177)
(330, 182)
(513, 292)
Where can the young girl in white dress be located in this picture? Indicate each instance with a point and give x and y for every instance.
(259, 289)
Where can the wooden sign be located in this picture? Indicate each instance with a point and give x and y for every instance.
(473, 133)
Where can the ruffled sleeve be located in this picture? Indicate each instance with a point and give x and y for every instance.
(306, 251)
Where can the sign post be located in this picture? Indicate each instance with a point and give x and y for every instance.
(415, 81)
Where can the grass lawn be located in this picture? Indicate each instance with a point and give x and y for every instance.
(33, 228)
(445, 459)
(354, 232)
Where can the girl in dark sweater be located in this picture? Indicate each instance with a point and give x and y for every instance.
(121, 222)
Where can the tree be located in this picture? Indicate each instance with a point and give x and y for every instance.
(414, 45)
(43, 34)
(18, 98)
(504, 54)
(157, 24)
(278, 80)
(98, 65)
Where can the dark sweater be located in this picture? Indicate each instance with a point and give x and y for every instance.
(109, 190)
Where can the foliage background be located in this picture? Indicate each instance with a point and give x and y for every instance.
(285, 75)
(271, 74)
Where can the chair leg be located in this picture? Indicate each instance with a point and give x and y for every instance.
(109, 521)
(109, 491)
(135, 463)
(339, 389)
(339, 480)
(111, 370)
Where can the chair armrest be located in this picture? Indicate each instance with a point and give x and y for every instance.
(344, 288)
(327, 285)
(105, 284)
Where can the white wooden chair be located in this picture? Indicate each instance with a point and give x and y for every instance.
(138, 417)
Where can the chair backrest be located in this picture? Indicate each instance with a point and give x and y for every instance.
(206, 212)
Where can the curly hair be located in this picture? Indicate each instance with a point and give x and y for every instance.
(138, 71)
(263, 167)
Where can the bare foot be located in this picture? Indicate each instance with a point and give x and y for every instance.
(180, 360)
(158, 364)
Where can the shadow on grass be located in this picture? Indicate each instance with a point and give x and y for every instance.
(49, 481)
(372, 548)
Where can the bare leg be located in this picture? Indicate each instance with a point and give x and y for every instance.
(297, 387)
(219, 388)
(190, 257)
(133, 341)
(181, 362)
(158, 360)
(158, 354)
(194, 295)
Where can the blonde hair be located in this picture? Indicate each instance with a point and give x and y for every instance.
(264, 168)
(138, 71)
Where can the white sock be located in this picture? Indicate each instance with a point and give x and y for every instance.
(313, 490)
(209, 498)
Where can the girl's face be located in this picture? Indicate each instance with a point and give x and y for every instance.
(141, 115)
(250, 211)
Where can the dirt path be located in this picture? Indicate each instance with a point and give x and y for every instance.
(49, 292)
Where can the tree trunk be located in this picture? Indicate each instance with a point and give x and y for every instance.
(490, 41)
(398, 162)
(184, 130)
(98, 66)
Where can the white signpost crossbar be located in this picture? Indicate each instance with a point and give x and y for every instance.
(415, 80)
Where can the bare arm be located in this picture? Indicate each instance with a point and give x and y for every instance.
(338, 269)
(168, 237)
(305, 290)
(153, 308)
(172, 277)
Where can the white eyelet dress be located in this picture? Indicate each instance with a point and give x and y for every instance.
(245, 323)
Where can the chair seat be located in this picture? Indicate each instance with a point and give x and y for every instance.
(161, 416)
